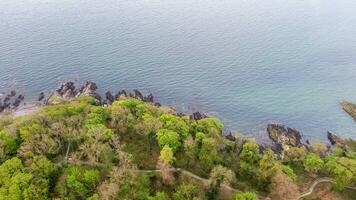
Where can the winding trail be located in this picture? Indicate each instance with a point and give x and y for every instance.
(316, 183)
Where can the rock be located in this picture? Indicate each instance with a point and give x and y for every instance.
(157, 104)
(350, 108)
(283, 137)
(109, 98)
(334, 139)
(41, 96)
(89, 90)
(197, 116)
(148, 98)
(136, 95)
(11, 101)
(121, 94)
(230, 137)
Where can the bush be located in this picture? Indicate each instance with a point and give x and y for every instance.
(169, 138)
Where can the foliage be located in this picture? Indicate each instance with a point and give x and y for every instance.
(8, 144)
(176, 124)
(313, 163)
(296, 155)
(208, 152)
(169, 138)
(167, 155)
(78, 183)
(287, 170)
(187, 192)
(246, 196)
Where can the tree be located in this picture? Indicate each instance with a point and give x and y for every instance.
(313, 163)
(267, 169)
(343, 171)
(8, 144)
(78, 182)
(97, 115)
(250, 152)
(249, 158)
(17, 183)
(246, 196)
(319, 148)
(208, 153)
(221, 175)
(187, 192)
(296, 155)
(176, 124)
(287, 170)
(166, 155)
(210, 126)
(170, 138)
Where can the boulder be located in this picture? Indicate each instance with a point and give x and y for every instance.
(197, 116)
(109, 98)
(121, 94)
(41, 96)
(137, 95)
(89, 90)
(149, 98)
(283, 137)
(334, 139)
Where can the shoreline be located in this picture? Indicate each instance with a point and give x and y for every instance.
(69, 90)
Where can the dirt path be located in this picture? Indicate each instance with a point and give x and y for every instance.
(316, 183)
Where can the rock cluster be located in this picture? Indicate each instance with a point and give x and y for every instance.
(11, 101)
(283, 137)
(68, 90)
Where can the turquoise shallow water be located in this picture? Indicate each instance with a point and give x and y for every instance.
(247, 62)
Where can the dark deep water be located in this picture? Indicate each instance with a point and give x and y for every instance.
(245, 61)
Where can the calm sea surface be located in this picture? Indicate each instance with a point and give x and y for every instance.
(248, 62)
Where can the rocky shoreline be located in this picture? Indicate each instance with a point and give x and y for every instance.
(280, 136)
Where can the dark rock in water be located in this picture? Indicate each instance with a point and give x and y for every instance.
(283, 137)
(148, 98)
(109, 98)
(197, 116)
(136, 95)
(350, 108)
(41, 96)
(121, 94)
(334, 139)
(157, 104)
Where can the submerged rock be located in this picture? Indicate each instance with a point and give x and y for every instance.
(350, 108)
